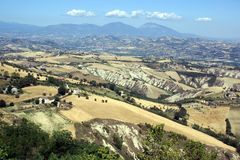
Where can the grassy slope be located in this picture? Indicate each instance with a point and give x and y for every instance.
(85, 110)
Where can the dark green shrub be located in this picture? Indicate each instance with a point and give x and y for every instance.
(117, 141)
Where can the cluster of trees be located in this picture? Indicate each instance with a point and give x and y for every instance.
(163, 145)
(181, 116)
(62, 90)
(27, 141)
(230, 140)
(24, 82)
(54, 81)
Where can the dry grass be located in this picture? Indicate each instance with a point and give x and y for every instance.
(61, 69)
(54, 59)
(174, 75)
(2, 82)
(48, 120)
(154, 92)
(88, 77)
(104, 67)
(22, 72)
(108, 57)
(208, 117)
(30, 93)
(29, 54)
(149, 104)
(165, 61)
(154, 73)
(85, 110)
(233, 116)
(228, 82)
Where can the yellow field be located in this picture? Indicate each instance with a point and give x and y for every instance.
(234, 120)
(154, 92)
(30, 93)
(30, 54)
(104, 67)
(62, 69)
(22, 73)
(174, 75)
(165, 61)
(149, 104)
(53, 59)
(208, 117)
(85, 110)
(108, 57)
(228, 82)
(154, 73)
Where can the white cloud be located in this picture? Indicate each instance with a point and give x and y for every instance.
(204, 19)
(117, 13)
(162, 15)
(80, 13)
(137, 13)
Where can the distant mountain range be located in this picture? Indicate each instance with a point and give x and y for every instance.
(81, 30)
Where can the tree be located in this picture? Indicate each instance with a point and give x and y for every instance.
(197, 151)
(181, 115)
(93, 83)
(11, 104)
(23, 141)
(62, 90)
(62, 142)
(55, 81)
(228, 127)
(9, 89)
(24, 82)
(37, 101)
(2, 103)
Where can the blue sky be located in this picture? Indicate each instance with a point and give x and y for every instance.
(212, 18)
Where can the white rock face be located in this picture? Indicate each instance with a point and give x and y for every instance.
(196, 82)
(224, 72)
(135, 80)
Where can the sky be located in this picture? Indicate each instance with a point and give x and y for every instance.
(210, 18)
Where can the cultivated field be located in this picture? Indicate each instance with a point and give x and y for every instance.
(208, 117)
(149, 104)
(21, 72)
(30, 93)
(108, 57)
(86, 109)
(29, 54)
(233, 116)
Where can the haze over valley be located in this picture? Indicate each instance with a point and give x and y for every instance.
(82, 90)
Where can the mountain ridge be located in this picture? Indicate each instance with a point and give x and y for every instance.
(71, 30)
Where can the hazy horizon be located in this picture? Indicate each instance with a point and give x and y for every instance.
(215, 18)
